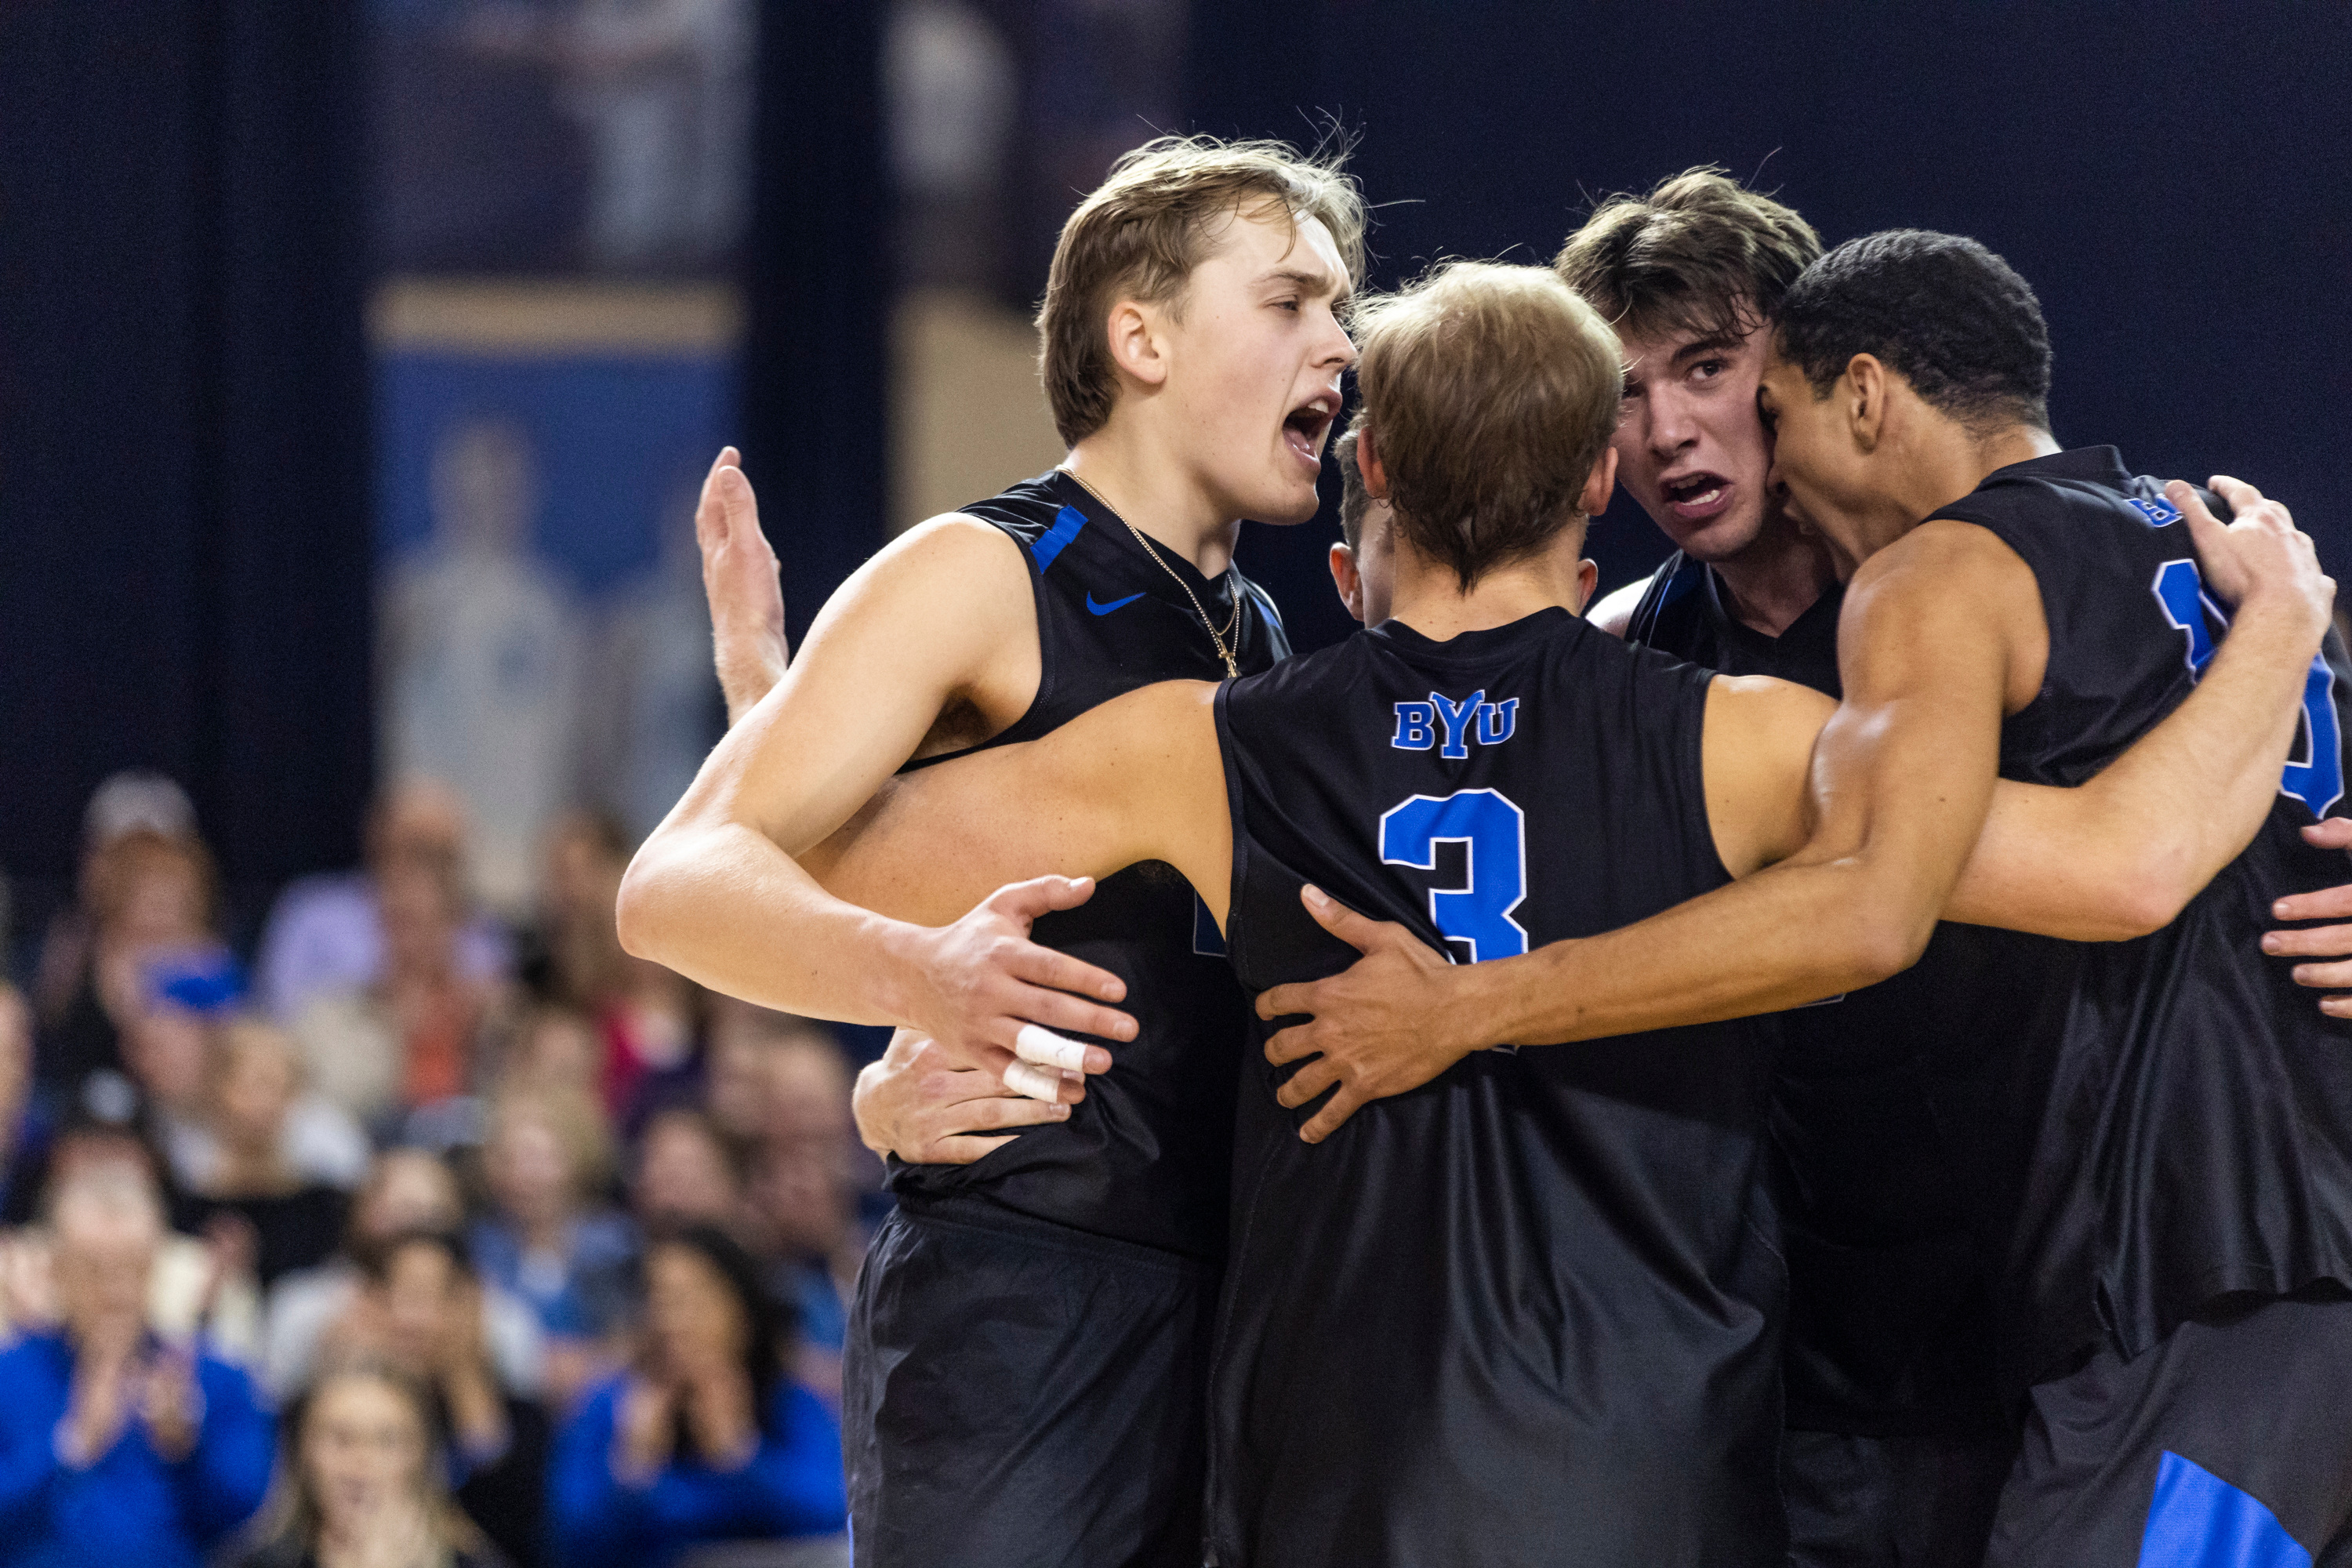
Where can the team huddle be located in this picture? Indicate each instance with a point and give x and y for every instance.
(1790, 1063)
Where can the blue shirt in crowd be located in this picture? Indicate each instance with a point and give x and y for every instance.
(792, 1486)
(131, 1506)
(584, 1294)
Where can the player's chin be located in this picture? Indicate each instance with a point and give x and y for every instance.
(1284, 500)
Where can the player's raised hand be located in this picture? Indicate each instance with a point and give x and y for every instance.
(916, 1104)
(741, 580)
(2258, 553)
(2330, 945)
(983, 981)
(1376, 1027)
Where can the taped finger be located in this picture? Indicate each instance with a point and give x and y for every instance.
(1036, 1082)
(1048, 1049)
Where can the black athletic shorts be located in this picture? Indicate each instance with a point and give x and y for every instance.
(1022, 1395)
(1905, 1501)
(2228, 1443)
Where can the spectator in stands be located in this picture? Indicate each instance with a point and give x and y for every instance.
(424, 1306)
(116, 1449)
(363, 1481)
(252, 1087)
(318, 1309)
(126, 802)
(169, 1049)
(414, 1039)
(549, 1240)
(687, 1172)
(703, 1438)
(648, 1019)
(804, 1197)
(26, 1125)
(326, 934)
(147, 895)
(195, 1288)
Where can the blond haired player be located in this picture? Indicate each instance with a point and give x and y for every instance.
(1024, 1371)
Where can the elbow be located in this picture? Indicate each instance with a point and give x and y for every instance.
(1883, 934)
(2145, 901)
(638, 912)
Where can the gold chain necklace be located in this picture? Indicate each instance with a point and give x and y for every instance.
(1224, 650)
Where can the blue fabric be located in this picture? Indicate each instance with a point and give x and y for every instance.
(592, 1295)
(131, 1507)
(791, 1487)
(1066, 523)
(2199, 1521)
(824, 1322)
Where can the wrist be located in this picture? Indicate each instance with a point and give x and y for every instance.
(894, 984)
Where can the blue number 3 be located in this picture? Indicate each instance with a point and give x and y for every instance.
(1477, 915)
(2317, 780)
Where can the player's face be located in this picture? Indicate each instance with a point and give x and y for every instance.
(1690, 448)
(1814, 458)
(1254, 357)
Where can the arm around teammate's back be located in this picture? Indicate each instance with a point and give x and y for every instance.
(931, 641)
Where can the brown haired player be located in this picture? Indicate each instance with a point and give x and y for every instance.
(1529, 1310)
(1023, 1369)
(1897, 1440)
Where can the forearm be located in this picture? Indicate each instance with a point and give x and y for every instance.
(2122, 855)
(721, 904)
(749, 664)
(1783, 937)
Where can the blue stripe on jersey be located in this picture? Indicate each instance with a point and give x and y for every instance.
(1686, 577)
(1054, 540)
(2199, 1521)
(1266, 602)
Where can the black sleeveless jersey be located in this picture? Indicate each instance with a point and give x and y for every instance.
(1533, 1302)
(2179, 1126)
(1682, 613)
(1890, 1282)
(1146, 1156)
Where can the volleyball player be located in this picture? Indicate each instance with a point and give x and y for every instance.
(1531, 1310)
(2166, 1153)
(1024, 1368)
(1898, 1440)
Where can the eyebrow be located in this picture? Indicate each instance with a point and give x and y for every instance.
(1313, 283)
(1721, 343)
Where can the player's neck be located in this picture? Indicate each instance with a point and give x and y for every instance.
(1428, 597)
(1941, 463)
(1152, 487)
(1782, 573)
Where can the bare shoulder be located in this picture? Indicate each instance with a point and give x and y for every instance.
(1942, 549)
(1762, 710)
(1758, 750)
(1615, 611)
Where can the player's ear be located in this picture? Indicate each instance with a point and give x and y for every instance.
(1588, 578)
(1134, 346)
(1348, 580)
(1368, 458)
(1598, 483)
(1865, 388)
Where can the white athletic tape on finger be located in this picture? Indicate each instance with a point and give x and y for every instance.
(1048, 1049)
(1036, 1082)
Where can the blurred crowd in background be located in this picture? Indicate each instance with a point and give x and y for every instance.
(530, 1246)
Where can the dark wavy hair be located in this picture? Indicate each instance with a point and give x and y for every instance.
(769, 1323)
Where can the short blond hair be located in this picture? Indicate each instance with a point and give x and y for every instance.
(1490, 392)
(1139, 233)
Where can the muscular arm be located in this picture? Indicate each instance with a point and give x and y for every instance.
(1139, 778)
(939, 622)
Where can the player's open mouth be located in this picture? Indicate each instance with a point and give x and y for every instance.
(1697, 496)
(1304, 429)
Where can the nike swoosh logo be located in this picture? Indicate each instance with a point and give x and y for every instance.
(1115, 603)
